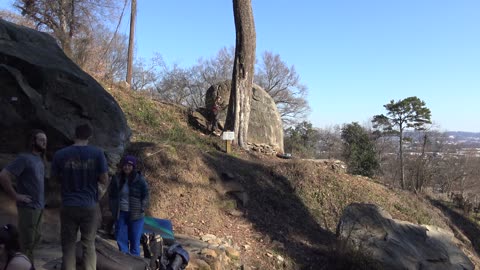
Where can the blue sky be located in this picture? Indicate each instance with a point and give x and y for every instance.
(353, 55)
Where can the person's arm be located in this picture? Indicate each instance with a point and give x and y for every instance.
(103, 178)
(103, 169)
(146, 195)
(6, 182)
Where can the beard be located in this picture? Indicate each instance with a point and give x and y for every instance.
(39, 148)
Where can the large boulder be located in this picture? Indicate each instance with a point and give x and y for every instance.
(42, 88)
(397, 244)
(265, 126)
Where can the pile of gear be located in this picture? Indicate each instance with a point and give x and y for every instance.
(162, 254)
(160, 250)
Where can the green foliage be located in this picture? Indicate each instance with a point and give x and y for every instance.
(177, 134)
(154, 122)
(407, 113)
(145, 113)
(182, 135)
(228, 205)
(301, 140)
(141, 111)
(359, 150)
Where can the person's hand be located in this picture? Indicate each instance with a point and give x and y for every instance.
(24, 198)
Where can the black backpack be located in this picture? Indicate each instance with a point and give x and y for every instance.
(162, 257)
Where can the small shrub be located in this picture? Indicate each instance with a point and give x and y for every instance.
(228, 205)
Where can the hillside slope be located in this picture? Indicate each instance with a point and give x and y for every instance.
(281, 214)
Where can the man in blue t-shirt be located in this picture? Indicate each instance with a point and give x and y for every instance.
(79, 168)
(29, 171)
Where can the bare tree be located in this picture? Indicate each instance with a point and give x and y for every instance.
(208, 72)
(67, 19)
(114, 58)
(272, 74)
(183, 86)
(144, 76)
(218, 68)
(330, 142)
(287, 92)
(283, 85)
(419, 160)
(238, 114)
(16, 18)
(103, 54)
(174, 84)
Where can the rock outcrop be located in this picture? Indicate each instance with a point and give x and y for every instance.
(397, 244)
(265, 126)
(42, 88)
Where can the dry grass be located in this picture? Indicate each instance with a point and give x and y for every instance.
(294, 203)
(326, 193)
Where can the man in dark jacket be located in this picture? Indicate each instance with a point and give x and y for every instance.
(128, 200)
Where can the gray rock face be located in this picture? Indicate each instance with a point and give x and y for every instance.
(43, 88)
(397, 244)
(265, 126)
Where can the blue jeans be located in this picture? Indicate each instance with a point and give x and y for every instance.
(128, 233)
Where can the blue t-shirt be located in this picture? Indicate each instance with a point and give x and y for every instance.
(29, 170)
(78, 168)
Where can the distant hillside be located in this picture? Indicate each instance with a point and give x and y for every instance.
(463, 135)
(467, 139)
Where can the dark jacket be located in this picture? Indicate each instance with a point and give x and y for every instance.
(138, 196)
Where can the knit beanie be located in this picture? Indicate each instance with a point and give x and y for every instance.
(129, 160)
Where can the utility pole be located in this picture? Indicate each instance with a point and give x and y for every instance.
(131, 40)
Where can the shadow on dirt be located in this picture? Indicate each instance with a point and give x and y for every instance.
(277, 212)
(470, 229)
(272, 206)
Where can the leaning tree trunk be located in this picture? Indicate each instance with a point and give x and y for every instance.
(238, 114)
